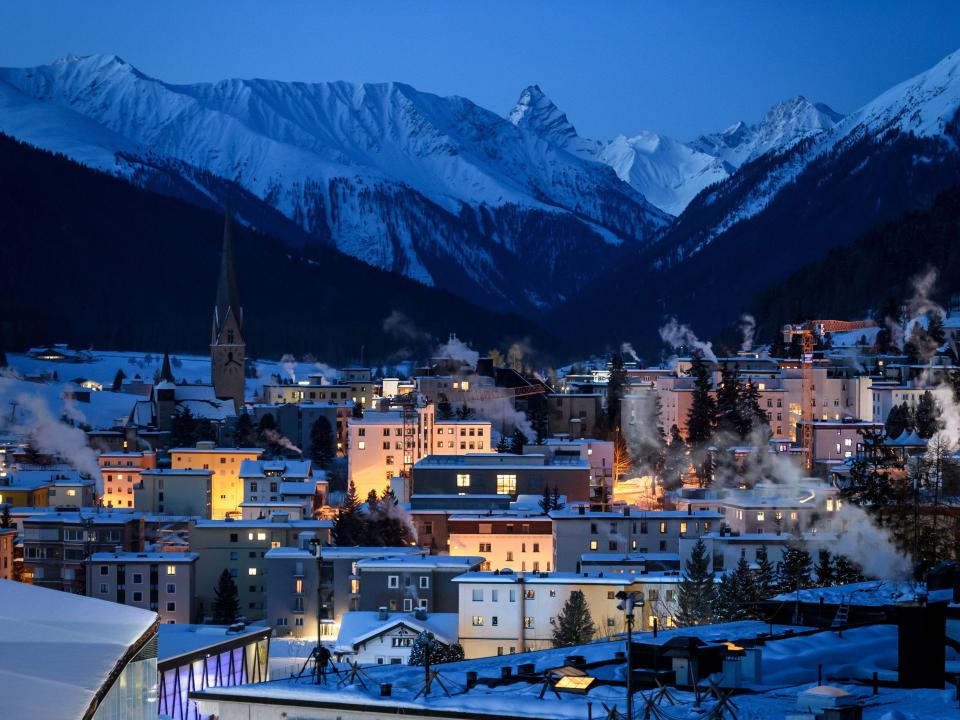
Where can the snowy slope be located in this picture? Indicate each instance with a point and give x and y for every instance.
(781, 127)
(399, 178)
(667, 172)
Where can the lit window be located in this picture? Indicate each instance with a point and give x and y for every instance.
(463, 480)
(261, 536)
(829, 504)
(171, 569)
(663, 528)
(506, 484)
(71, 493)
(362, 445)
(761, 516)
(683, 528)
(251, 571)
(478, 620)
(593, 544)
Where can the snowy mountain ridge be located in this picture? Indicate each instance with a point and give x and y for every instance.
(669, 173)
(404, 180)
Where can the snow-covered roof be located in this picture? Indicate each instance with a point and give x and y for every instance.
(178, 639)
(358, 626)
(573, 513)
(357, 552)
(419, 561)
(873, 593)
(546, 578)
(57, 649)
(133, 557)
(256, 469)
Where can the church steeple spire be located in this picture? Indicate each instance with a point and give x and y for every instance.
(227, 346)
(166, 372)
(228, 295)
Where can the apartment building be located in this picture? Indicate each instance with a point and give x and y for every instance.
(268, 482)
(292, 583)
(573, 414)
(597, 453)
(502, 474)
(162, 582)
(837, 441)
(121, 473)
(8, 541)
(312, 390)
(769, 507)
(295, 421)
(725, 548)
(411, 582)
(505, 612)
(516, 542)
(174, 492)
(578, 531)
(226, 486)
(25, 488)
(240, 546)
(56, 544)
(296, 583)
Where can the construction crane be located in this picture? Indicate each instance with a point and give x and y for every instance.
(807, 398)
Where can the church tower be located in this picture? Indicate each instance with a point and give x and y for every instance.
(227, 347)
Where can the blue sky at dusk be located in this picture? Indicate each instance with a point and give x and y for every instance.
(679, 68)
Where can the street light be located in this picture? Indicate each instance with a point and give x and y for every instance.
(628, 602)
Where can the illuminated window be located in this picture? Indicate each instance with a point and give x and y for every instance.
(663, 528)
(261, 536)
(299, 585)
(251, 571)
(593, 544)
(71, 493)
(793, 515)
(361, 445)
(478, 620)
(528, 622)
(463, 480)
(506, 484)
(171, 569)
(683, 527)
(761, 516)
(829, 504)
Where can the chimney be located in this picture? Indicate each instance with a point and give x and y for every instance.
(626, 512)
(582, 510)
(382, 613)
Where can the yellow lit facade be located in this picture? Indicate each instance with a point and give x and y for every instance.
(226, 485)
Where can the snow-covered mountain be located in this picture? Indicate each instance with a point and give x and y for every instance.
(781, 127)
(789, 207)
(669, 173)
(402, 179)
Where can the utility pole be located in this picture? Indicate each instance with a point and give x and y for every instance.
(629, 601)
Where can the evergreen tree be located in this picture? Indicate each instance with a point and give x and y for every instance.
(845, 571)
(465, 412)
(557, 504)
(444, 409)
(206, 430)
(426, 645)
(615, 389)
(503, 445)
(322, 449)
(348, 526)
(517, 441)
(5, 522)
(728, 401)
(824, 569)
(696, 594)
(750, 414)
(927, 416)
(726, 604)
(118, 380)
(244, 434)
(796, 565)
(573, 626)
(676, 461)
(702, 416)
(183, 429)
(899, 420)
(778, 348)
(226, 600)
(765, 580)
(392, 529)
(546, 500)
(935, 329)
(357, 411)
